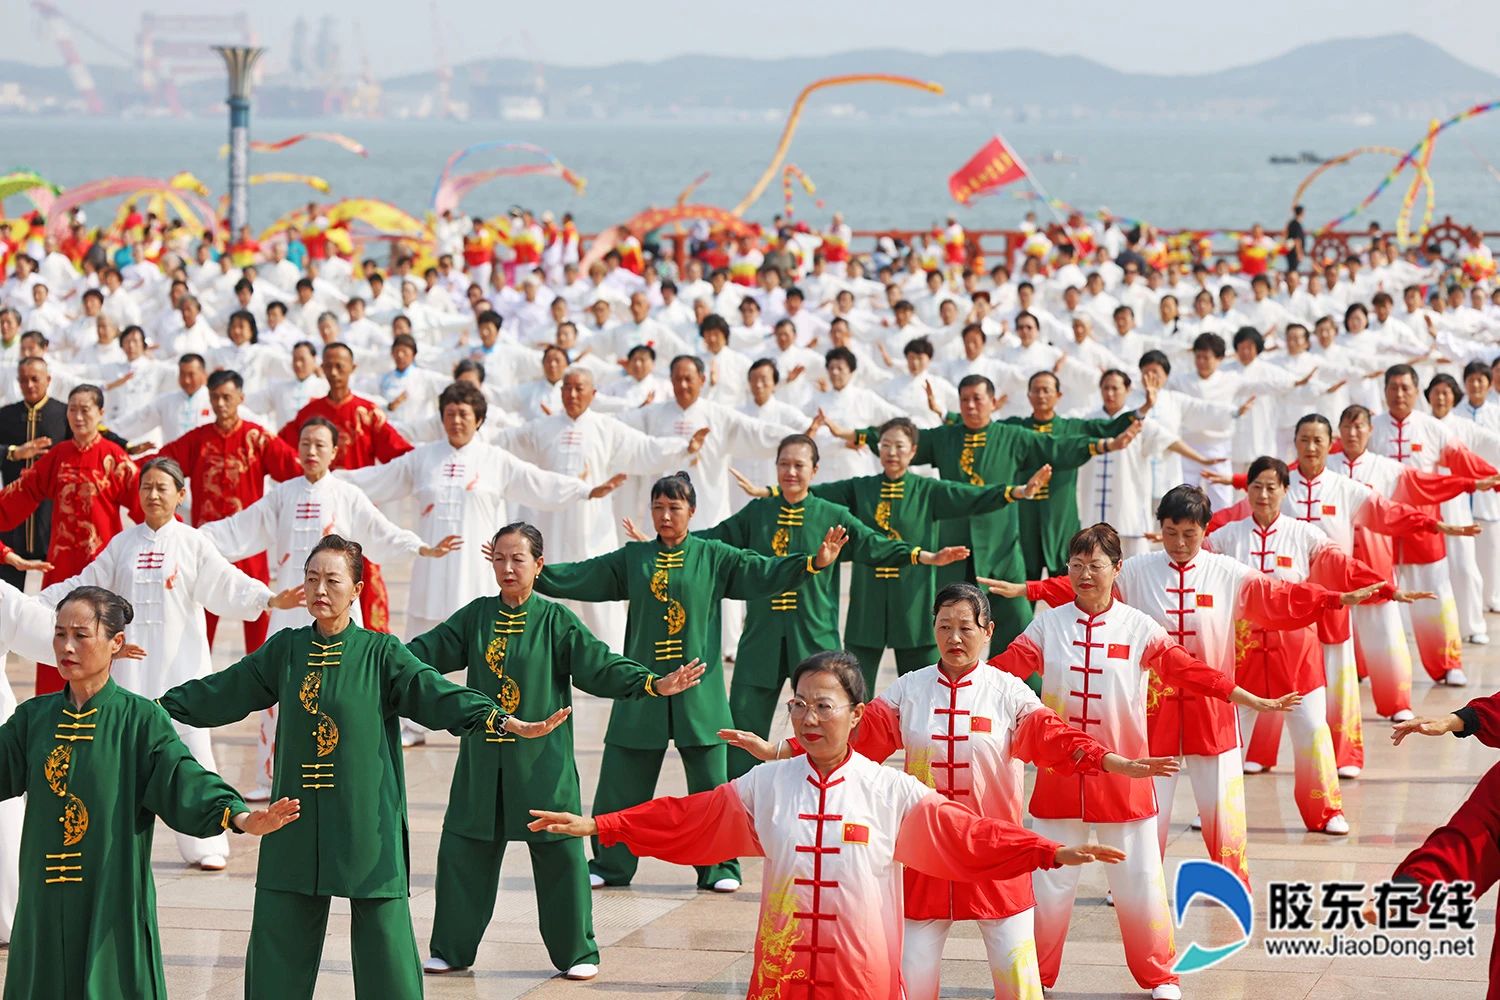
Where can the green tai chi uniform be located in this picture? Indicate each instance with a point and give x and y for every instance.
(1049, 524)
(338, 749)
(890, 607)
(786, 628)
(527, 658)
(674, 597)
(994, 454)
(95, 780)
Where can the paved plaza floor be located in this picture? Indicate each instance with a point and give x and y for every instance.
(661, 938)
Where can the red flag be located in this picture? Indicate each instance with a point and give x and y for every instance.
(994, 166)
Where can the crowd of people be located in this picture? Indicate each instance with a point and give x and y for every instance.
(1089, 497)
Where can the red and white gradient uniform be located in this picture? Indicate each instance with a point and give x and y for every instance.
(1272, 663)
(966, 738)
(1098, 683)
(1198, 603)
(1422, 443)
(830, 914)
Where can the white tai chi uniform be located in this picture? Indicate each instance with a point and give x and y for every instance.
(170, 576)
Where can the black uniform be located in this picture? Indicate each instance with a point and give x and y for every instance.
(19, 423)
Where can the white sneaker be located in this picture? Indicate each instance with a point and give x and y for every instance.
(435, 966)
(1167, 991)
(582, 972)
(595, 881)
(1250, 767)
(214, 863)
(1349, 771)
(412, 738)
(1337, 827)
(1405, 715)
(260, 793)
(1479, 639)
(1196, 824)
(1109, 899)
(1456, 678)
(727, 885)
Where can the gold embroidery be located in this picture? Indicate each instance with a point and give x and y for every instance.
(494, 655)
(780, 541)
(777, 935)
(74, 820)
(659, 585)
(972, 442)
(1156, 691)
(510, 695)
(307, 694)
(55, 770)
(326, 736)
(676, 617)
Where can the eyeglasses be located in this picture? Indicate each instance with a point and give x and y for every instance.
(797, 708)
(1093, 567)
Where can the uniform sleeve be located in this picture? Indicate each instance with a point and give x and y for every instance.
(840, 491)
(382, 539)
(137, 423)
(879, 732)
(596, 668)
(1237, 511)
(444, 645)
(751, 575)
(280, 459)
(1391, 517)
(1177, 665)
(641, 454)
(1063, 451)
(733, 530)
(1022, 658)
(1331, 568)
(701, 829)
(1482, 719)
(1466, 848)
(601, 578)
(384, 483)
(418, 692)
(947, 840)
(223, 589)
(13, 755)
(19, 500)
(26, 624)
(1415, 487)
(1055, 591)
(749, 437)
(1463, 462)
(100, 572)
(187, 797)
(246, 533)
(231, 694)
(536, 487)
(1044, 739)
(1276, 604)
(949, 500)
(387, 442)
(869, 547)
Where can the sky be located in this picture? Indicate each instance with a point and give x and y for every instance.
(1160, 37)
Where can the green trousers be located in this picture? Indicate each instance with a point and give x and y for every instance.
(755, 694)
(627, 777)
(907, 660)
(468, 879)
(286, 945)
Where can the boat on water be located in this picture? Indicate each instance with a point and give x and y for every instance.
(1307, 157)
(1057, 156)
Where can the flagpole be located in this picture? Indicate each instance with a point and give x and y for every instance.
(1036, 185)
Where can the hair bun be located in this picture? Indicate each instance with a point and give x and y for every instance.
(682, 474)
(127, 611)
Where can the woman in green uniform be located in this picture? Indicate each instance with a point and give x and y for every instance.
(674, 584)
(340, 692)
(98, 765)
(526, 652)
(786, 628)
(887, 604)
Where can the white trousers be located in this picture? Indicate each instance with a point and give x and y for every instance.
(195, 849)
(1380, 644)
(1139, 890)
(1468, 585)
(1009, 943)
(1487, 547)
(1315, 785)
(1219, 792)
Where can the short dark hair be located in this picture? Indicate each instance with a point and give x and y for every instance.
(458, 393)
(1045, 373)
(796, 439)
(1115, 371)
(713, 321)
(1314, 418)
(246, 316)
(1158, 358)
(320, 422)
(1210, 342)
(1396, 371)
(1269, 463)
(1249, 335)
(168, 466)
(969, 381)
(218, 378)
(691, 359)
(766, 363)
(842, 665)
(1096, 537)
(111, 611)
(677, 486)
(351, 550)
(1477, 368)
(87, 389)
(1353, 412)
(404, 340)
(530, 532)
(468, 365)
(841, 354)
(964, 593)
(646, 349)
(1443, 378)
(491, 317)
(902, 424)
(1185, 503)
(918, 345)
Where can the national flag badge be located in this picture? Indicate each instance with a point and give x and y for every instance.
(1205, 600)
(1118, 651)
(979, 724)
(1329, 510)
(1416, 446)
(1284, 562)
(856, 833)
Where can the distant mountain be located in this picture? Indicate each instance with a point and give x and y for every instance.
(1389, 76)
